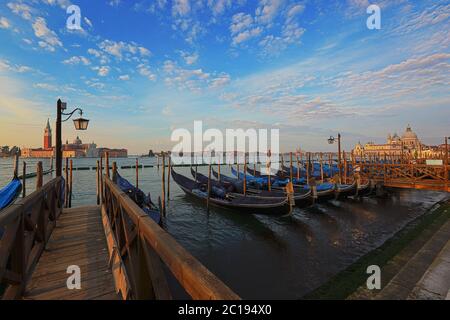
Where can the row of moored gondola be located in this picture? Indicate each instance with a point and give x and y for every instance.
(258, 196)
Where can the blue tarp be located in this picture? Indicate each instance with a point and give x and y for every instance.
(10, 192)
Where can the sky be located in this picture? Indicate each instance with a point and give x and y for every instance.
(141, 69)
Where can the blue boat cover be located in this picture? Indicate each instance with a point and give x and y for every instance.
(138, 196)
(10, 192)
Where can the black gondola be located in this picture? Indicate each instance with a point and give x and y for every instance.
(221, 198)
(303, 197)
(365, 189)
(345, 190)
(138, 196)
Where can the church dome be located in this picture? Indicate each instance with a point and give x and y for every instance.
(77, 141)
(409, 134)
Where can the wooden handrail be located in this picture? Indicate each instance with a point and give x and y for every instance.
(27, 226)
(133, 229)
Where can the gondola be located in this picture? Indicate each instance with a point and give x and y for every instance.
(138, 196)
(219, 197)
(10, 193)
(302, 197)
(279, 174)
(345, 190)
(365, 189)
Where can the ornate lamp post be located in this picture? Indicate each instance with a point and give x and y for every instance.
(331, 140)
(79, 123)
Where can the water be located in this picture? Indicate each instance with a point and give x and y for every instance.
(264, 257)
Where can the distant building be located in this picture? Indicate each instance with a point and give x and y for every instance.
(76, 149)
(407, 144)
(47, 151)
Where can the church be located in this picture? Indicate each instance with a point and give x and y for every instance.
(76, 149)
(395, 145)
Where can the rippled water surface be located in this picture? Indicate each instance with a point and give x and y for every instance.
(264, 256)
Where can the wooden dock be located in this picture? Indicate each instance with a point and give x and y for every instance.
(120, 251)
(78, 239)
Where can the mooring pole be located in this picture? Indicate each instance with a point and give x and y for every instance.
(218, 168)
(169, 166)
(66, 196)
(24, 185)
(321, 167)
(292, 167)
(39, 181)
(245, 175)
(163, 184)
(98, 182)
(209, 187)
(107, 163)
(70, 185)
(298, 169)
(339, 158)
(137, 173)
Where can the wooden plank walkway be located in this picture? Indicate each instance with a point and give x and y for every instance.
(78, 239)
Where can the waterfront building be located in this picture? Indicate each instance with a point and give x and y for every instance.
(76, 149)
(408, 144)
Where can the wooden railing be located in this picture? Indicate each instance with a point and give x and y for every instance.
(138, 247)
(419, 176)
(25, 228)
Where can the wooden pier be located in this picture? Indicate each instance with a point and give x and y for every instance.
(121, 252)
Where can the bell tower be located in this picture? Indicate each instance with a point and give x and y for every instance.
(48, 136)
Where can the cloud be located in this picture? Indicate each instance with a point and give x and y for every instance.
(4, 23)
(5, 65)
(121, 49)
(102, 71)
(220, 81)
(219, 6)
(145, 71)
(75, 60)
(20, 9)
(267, 10)
(189, 58)
(243, 28)
(49, 38)
(114, 3)
(181, 7)
(124, 77)
(45, 86)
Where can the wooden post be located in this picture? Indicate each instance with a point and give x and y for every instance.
(245, 175)
(137, 173)
(330, 164)
(339, 158)
(39, 181)
(269, 178)
(163, 184)
(98, 182)
(58, 144)
(321, 166)
(209, 186)
(70, 185)
(66, 196)
(16, 166)
(169, 166)
(24, 185)
(101, 179)
(307, 170)
(107, 163)
(157, 161)
(114, 172)
(446, 165)
(196, 170)
(218, 168)
(345, 167)
(298, 169)
(292, 168)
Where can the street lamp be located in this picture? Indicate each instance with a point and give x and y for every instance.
(79, 123)
(331, 140)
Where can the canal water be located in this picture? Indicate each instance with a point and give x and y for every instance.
(263, 257)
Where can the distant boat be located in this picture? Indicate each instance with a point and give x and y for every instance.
(10, 193)
(139, 197)
(219, 197)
